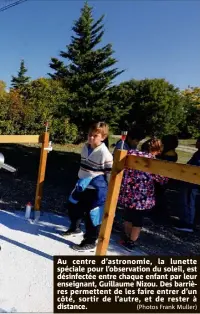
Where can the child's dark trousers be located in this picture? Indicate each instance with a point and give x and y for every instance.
(81, 211)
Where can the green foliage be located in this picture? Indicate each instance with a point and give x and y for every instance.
(3, 100)
(21, 79)
(191, 124)
(6, 125)
(193, 94)
(11, 112)
(194, 122)
(122, 100)
(26, 112)
(62, 131)
(2, 87)
(153, 103)
(89, 72)
(46, 100)
(156, 104)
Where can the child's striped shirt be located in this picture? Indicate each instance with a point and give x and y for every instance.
(98, 162)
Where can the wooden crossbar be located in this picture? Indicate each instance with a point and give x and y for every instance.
(14, 139)
(167, 169)
(172, 170)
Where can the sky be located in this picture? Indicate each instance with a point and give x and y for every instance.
(151, 39)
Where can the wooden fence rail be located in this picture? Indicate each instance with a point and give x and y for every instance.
(172, 170)
(16, 139)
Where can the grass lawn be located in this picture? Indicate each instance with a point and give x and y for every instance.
(190, 142)
(183, 157)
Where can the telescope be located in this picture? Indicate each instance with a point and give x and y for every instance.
(5, 166)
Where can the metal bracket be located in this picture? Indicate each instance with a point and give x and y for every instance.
(49, 148)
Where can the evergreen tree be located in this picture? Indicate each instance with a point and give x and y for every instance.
(21, 79)
(89, 72)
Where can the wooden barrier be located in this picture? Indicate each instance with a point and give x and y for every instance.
(42, 170)
(33, 139)
(172, 170)
(17, 139)
(111, 201)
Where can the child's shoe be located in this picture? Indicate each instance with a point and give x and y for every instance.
(117, 227)
(182, 226)
(186, 228)
(129, 245)
(123, 238)
(71, 232)
(84, 246)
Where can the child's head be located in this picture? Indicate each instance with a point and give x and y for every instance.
(134, 136)
(153, 146)
(170, 142)
(198, 143)
(98, 132)
(145, 146)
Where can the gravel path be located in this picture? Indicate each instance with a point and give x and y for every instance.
(159, 239)
(187, 149)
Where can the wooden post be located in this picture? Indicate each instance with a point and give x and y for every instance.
(111, 201)
(41, 172)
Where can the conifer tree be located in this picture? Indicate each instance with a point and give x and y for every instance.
(88, 73)
(21, 79)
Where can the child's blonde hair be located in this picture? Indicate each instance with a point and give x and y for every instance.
(100, 127)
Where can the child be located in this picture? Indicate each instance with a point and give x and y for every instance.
(153, 146)
(170, 143)
(159, 212)
(91, 189)
(134, 136)
(189, 195)
(136, 197)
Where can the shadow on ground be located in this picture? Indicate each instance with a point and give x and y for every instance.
(49, 226)
(16, 222)
(13, 310)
